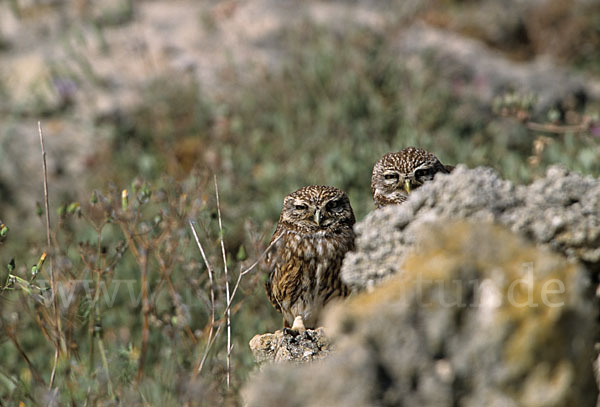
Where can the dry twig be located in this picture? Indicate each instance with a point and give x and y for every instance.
(198, 369)
(212, 338)
(230, 294)
(143, 261)
(36, 375)
(558, 129)
(228, 310)
(59, 344)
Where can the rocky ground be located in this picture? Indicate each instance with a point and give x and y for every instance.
(479, 293)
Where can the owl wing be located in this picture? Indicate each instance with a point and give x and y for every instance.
(282, 283)
(270, 294)
(271, 265)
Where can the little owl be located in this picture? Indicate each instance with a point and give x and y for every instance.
(313, 234)
(395, 175)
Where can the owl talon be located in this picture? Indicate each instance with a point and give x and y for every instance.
(290, 332)
(298, 325)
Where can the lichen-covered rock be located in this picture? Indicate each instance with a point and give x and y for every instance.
(561, 210)
(285, 347)
(480, 317)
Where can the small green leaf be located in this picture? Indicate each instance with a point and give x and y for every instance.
(241, 254)
(124, 199)
(38, 209)
(553, 115)
(3, 230)
(73, 207)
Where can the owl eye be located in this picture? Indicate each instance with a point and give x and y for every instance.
(391, 176)
(423, 172)
(301, 207)
(333, 204)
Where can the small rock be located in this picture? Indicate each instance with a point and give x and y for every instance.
(290, 347)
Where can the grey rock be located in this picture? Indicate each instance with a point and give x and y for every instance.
(561, 211)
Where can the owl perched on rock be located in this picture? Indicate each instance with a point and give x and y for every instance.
(396, 174)
(313, 234)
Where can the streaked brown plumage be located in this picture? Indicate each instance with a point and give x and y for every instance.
(313, 234)
(396, 174)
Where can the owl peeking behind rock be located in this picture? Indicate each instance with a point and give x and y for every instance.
(313, 234)
(395, 175)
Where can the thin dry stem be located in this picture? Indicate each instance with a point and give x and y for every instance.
(229, 294)
(59, 344)
(16, 384)
(36, 375)
(105, 365)
(141, 256)
(249, 269)
(97, 268)
(45, 173)
(166, 277)
(558, 129)
(212, 299)
(92, 323)
(212, 338)
(143, 261)
(228, 310)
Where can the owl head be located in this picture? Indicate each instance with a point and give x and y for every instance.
(395, 175)
(317, 208)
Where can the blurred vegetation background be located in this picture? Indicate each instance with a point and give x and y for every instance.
(157, 97)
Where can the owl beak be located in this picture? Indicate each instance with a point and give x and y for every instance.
(407, 186)
(318, 217)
